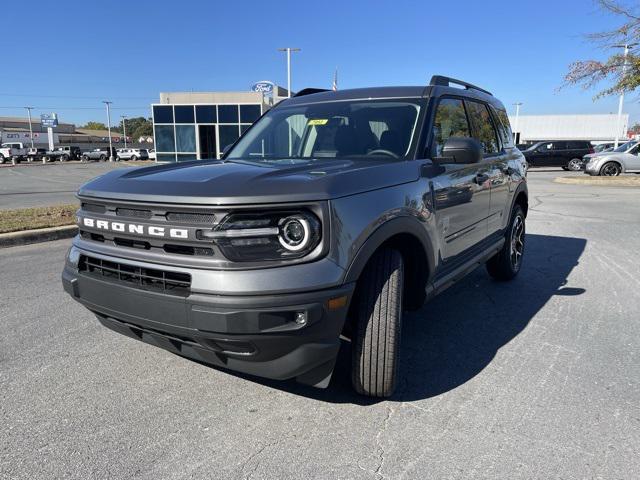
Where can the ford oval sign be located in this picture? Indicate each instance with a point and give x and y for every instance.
(264, 86)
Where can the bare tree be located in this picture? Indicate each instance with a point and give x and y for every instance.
(589, 73)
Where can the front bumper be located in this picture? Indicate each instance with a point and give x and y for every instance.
(252, 334)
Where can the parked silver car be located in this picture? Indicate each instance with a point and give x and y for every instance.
(621, 160)
(132, 154)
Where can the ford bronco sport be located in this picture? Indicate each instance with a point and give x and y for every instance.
(333, 214)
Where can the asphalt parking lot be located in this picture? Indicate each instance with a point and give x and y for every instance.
(537, 378)
(40, 185)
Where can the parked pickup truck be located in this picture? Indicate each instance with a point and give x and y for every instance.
(13, 150)
(101, 154)
(63, 154)
(35, 154)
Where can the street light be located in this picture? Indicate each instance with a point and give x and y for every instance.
(108, 104)
(288, 50)
(627, 47)
(124, 129)
(515, 124)
(30, 126)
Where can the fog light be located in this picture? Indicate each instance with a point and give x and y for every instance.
(301, 318)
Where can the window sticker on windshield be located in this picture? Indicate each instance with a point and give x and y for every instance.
(318, 121)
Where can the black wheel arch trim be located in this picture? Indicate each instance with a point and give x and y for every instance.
(389, 229)
(522, 188)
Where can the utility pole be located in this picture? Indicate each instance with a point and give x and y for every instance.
(627, 47)
(108, 104)
(30, 126)
(288, 50)
(515, 124)
(124, 129)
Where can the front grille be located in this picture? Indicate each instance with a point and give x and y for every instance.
(133, 213)
(150, 279)
(187, 217)
(94, 208)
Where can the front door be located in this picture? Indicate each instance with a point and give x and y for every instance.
(462, 192)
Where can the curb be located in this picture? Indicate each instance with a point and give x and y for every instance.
(26, 237)
(623, 181)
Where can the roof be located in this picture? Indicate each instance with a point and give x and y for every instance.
(419, 91)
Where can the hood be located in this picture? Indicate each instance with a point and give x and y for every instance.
(228, 183)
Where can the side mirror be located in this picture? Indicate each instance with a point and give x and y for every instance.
(460, 150)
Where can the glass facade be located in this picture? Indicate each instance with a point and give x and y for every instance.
(192, 132)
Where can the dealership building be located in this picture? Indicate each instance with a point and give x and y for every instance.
(199, 125)
(595, 128)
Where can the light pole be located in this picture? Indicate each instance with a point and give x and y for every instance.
(515, 124)
(30, 126)
(288, 50)
(124, 129)
(108, 104)
(627, 47)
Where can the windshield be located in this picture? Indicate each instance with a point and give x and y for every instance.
(353, 129)
(625, 146)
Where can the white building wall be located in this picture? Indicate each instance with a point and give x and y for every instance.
(570, 127)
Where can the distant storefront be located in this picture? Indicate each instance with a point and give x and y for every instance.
(199, 125)
(595, 127)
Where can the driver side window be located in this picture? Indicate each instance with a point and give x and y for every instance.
(450, 121)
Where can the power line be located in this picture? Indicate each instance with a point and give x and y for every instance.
(70, 96)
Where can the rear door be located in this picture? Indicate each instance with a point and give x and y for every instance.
(462, 192)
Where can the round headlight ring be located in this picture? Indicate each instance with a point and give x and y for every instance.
(290, 229)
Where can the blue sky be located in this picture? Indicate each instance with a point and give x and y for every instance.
(130, 51)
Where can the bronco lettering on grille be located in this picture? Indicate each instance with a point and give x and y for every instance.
(137, 229)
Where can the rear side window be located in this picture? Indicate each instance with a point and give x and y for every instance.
(450, 121)
(559, 146)
(504, 127)
(484, 131)
(578, 145)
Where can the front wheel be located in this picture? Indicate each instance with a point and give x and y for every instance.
(376, 340)
(64, 158)
(575, 165)
(2, 159)
(610, 169)
(506, 264)
(133, 158)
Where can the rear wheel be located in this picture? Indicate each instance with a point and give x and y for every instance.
(133, 158)
(610, 169)
(506, 264)
(102, 158)
(2, 159)
(376, 340)
(84, 158)
(575, 164)
(64, 158)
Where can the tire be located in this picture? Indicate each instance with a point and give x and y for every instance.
(565, 168)
(133, 158)
(102, 158)
(2, 159)
(84, 158)
(506, 264)
(376, 340)
(575, 165)
(64, 158)
(610, 169)
(118, 159)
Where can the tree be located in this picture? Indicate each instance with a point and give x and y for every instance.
(94, 126)
(138, 127)
(589, 73)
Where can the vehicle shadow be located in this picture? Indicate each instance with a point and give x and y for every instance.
(456, 335)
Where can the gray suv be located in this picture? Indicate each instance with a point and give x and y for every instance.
(333, 214)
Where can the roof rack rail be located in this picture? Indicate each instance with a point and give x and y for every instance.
(309, 91)
(446, 81)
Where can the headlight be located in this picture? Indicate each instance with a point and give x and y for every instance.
(250, 237)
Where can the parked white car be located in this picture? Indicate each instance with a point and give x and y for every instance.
(132, 154)
(611, 164)
(152, 153)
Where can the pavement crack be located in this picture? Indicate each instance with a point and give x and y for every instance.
(380, 447)
(254, 455)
